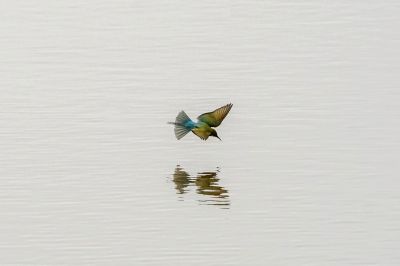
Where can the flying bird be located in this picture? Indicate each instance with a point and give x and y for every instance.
(203, 128)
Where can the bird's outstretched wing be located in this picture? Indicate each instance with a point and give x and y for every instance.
(214, 118)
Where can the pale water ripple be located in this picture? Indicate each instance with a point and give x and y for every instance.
(307, 172)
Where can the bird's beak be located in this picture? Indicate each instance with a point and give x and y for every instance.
(219, 138)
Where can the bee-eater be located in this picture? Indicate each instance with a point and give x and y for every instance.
(203, 127)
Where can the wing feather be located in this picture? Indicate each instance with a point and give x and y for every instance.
(215, 118)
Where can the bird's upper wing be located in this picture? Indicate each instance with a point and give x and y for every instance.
(214, 118)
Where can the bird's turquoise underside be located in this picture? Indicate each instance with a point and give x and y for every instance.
(190, 124)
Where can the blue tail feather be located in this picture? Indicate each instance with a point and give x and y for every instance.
(183, 125)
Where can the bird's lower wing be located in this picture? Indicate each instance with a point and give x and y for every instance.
(201, 133)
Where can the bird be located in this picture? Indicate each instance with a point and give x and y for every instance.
(203, 128)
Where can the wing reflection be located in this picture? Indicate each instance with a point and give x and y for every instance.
(206, 184)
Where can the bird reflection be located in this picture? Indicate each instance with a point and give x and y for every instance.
(206, 184)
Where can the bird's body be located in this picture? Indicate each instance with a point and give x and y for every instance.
(203, 128)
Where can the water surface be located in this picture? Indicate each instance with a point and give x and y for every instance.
(307, 169)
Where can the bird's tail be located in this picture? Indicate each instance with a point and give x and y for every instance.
(180, 129)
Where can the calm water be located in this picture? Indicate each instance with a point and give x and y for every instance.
(308, 169)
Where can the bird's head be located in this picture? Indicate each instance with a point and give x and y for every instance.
(214, 133)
